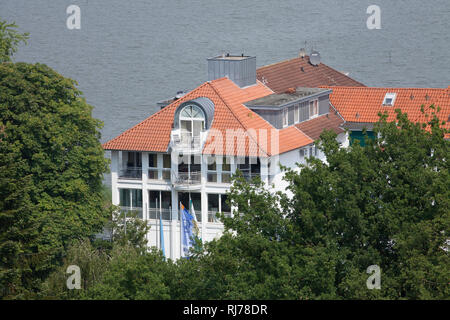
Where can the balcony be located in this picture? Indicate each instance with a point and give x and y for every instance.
(154, 213)
(186, 143)
(134, 173)
(249, 176)
(126, 210)
(212, 216)
(188, 178)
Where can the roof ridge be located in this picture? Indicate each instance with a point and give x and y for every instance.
(236, 117)
(279, 62)
(382, 88)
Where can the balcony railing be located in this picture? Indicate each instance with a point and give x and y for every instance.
(154, 213)
(186, 142)
(212, 216)
(249, 176)
(138, 210)
(188, 178)
(131, 173)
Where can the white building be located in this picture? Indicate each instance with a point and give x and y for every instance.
(191, 147)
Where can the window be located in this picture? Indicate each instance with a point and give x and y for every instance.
(212, 169)
(310, 151)
(131, 200)
(153, 160)
(389, 99)
(192, 122)
(291, 119)
(285, 117)
(297, 114)
(167, 165)
(153, 166)
(189, 168)
(226, 170)
(160, 202)
(217, 203)
(313, 108)
(250, 168)
(195, 199)
(134, 160)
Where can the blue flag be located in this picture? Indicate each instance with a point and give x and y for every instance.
(187, 232)
(161, 235)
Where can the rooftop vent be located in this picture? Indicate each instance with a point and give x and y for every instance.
(389, 99)
(240, 69)
(314, 58)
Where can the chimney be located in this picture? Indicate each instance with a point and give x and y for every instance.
(240, 69)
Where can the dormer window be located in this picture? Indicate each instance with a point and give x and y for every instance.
(389, 99)
(285, 117)
(313, 108)
(192, 122)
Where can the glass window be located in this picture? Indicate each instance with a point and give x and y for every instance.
(212, 164)
(153, 174)
(134, 159)
(153, 160)
(167, 161)
(313, 108)
(297, 114)
(226, 166)
(225, 206)
(213, 202)
(160, 202)
(285, 117)
(212, 177)
(131, 198)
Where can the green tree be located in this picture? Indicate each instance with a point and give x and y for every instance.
(384, 204)
(52, 166)
(134, 275)
(9, 40)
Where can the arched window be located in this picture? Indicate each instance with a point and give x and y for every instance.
(192, 121)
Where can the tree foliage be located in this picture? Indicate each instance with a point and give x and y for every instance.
(384, 204)
(10, 39)
(52, 166)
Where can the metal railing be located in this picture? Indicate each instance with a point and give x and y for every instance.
(187, 142)
(132, 209)
(249, 176)
(188, 178)
(212, 216)
(131, 173)
(153, 213)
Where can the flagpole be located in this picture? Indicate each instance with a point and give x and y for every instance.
(156, 223)
(181, 231)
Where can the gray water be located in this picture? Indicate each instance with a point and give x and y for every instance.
(130, 54)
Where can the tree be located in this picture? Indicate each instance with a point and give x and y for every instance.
(384, 204)
(9, 40)
(52, 166)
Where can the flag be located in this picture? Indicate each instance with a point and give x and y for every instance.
(187, 234)
(196, 229)
(161, 235)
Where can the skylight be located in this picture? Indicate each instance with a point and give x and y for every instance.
(389, 99)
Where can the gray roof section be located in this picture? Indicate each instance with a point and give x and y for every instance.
(282, 99)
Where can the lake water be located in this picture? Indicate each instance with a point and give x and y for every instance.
(130, 54)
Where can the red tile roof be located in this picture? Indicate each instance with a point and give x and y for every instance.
(314, 127)
(153, 134)
(288, 74)
(363, 104)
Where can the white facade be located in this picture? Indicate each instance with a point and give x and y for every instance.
(208, 189)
